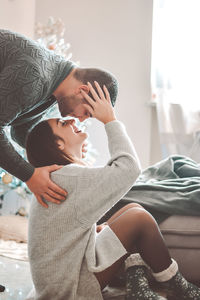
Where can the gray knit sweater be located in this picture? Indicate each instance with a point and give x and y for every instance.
(64, 248)
(29, 74)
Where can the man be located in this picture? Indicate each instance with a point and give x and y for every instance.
(32, 79)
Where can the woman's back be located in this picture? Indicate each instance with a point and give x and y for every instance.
(56, 250)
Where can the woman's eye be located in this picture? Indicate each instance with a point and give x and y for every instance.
(63, 123)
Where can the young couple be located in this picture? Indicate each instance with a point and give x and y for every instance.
(70, 256)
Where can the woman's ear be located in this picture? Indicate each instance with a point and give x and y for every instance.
(61, 144)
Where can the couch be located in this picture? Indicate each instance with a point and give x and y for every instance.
(182, 237)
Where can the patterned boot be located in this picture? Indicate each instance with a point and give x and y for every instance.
(137, 285)
(177, 286)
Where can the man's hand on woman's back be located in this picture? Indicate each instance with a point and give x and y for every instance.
(43, 187)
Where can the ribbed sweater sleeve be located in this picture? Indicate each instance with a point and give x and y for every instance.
(11, 161)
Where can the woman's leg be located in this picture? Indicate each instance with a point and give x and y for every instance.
(138, 232)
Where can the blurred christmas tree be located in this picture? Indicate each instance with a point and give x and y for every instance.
(13, 188)
(50, 35)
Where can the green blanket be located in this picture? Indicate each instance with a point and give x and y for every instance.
(171, 186)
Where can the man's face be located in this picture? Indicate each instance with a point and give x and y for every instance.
(71, 103)
(73, 106)
(80, 112)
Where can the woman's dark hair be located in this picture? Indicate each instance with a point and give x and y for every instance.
(42, 147)
(102, 77)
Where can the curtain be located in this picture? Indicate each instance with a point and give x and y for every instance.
(176, 75)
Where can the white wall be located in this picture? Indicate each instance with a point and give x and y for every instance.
(114, 35)
(18, 15)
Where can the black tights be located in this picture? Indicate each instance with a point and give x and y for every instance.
(139, 233)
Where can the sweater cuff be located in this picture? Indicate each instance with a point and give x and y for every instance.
(114, 125)
(168, 273)
(27, 172)
(134, 260)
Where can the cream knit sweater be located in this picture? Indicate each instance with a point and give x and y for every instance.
(64, 248)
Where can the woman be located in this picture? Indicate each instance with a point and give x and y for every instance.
(72, 258)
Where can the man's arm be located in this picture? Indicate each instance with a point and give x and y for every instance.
(10, 160)
(21, 88)
(37, 179)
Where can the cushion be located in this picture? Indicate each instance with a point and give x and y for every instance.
(14, 228)
(182, 232)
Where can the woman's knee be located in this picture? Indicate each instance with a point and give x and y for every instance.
(138, 216)
(130, 225)
(122, 211)
(137, 210)
(132, 205)
(132, 218)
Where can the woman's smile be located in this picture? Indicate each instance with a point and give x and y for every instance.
(70, 138)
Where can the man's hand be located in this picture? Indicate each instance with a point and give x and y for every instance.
(42, 186)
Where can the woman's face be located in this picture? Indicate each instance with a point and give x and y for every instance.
(72, 138)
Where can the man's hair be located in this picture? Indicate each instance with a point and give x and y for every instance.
(102, 77)
(42, 147)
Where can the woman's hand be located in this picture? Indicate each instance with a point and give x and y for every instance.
(101, 107)
(43, 187)
(101, 226)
